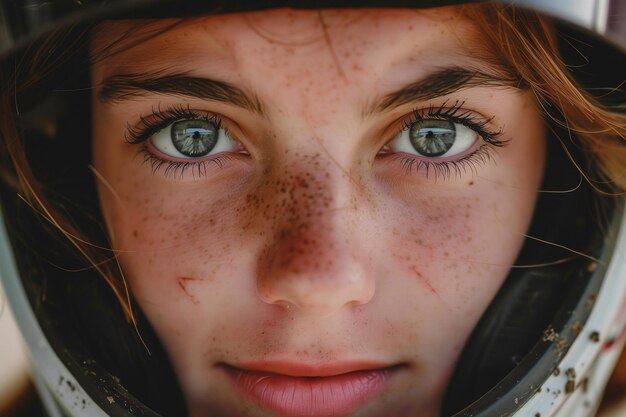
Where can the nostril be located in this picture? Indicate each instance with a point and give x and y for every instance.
(270, 297)
(315, 293)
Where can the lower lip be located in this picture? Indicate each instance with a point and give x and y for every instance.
(293, 396)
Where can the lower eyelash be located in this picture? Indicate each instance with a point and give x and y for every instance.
(447, 169)
(179, 168)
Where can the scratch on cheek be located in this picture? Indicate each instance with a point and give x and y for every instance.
(183, 282)
(424, 280)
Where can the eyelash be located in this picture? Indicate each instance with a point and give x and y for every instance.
(445, 169)
(161, 118)
(455, 114)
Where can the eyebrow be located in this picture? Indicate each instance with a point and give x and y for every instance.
(440, 83)
(130, 86)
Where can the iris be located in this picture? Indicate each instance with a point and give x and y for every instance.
(194, 138)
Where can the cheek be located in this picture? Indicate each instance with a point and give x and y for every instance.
(458, 243)
(163, 233)
(173, 237)
(442, 270)
(179, 256)
(441, 252)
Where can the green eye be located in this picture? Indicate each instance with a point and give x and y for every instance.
(193, 138)
(432, 137)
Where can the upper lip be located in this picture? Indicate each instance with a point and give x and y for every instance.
(299, 369)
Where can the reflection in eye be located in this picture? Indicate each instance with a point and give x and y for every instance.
(194, 138)
(434, 138)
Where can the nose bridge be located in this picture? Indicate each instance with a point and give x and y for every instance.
(311, 260)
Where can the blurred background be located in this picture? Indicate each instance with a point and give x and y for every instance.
(17, 396)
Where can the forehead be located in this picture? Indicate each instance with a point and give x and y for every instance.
(285, 37)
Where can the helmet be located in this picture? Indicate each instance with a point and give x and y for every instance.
(545, 346)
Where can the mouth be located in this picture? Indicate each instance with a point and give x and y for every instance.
(295, 390)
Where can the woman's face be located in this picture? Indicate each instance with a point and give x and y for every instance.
(314, 208)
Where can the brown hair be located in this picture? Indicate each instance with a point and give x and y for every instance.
(527, 43)
(27, 70)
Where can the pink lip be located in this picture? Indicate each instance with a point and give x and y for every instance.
(294, 390)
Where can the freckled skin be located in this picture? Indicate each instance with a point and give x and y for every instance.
(311, 246)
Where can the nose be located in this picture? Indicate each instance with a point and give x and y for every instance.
(315, 276)
(316, 260)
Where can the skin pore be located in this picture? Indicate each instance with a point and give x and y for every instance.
(314, 241)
